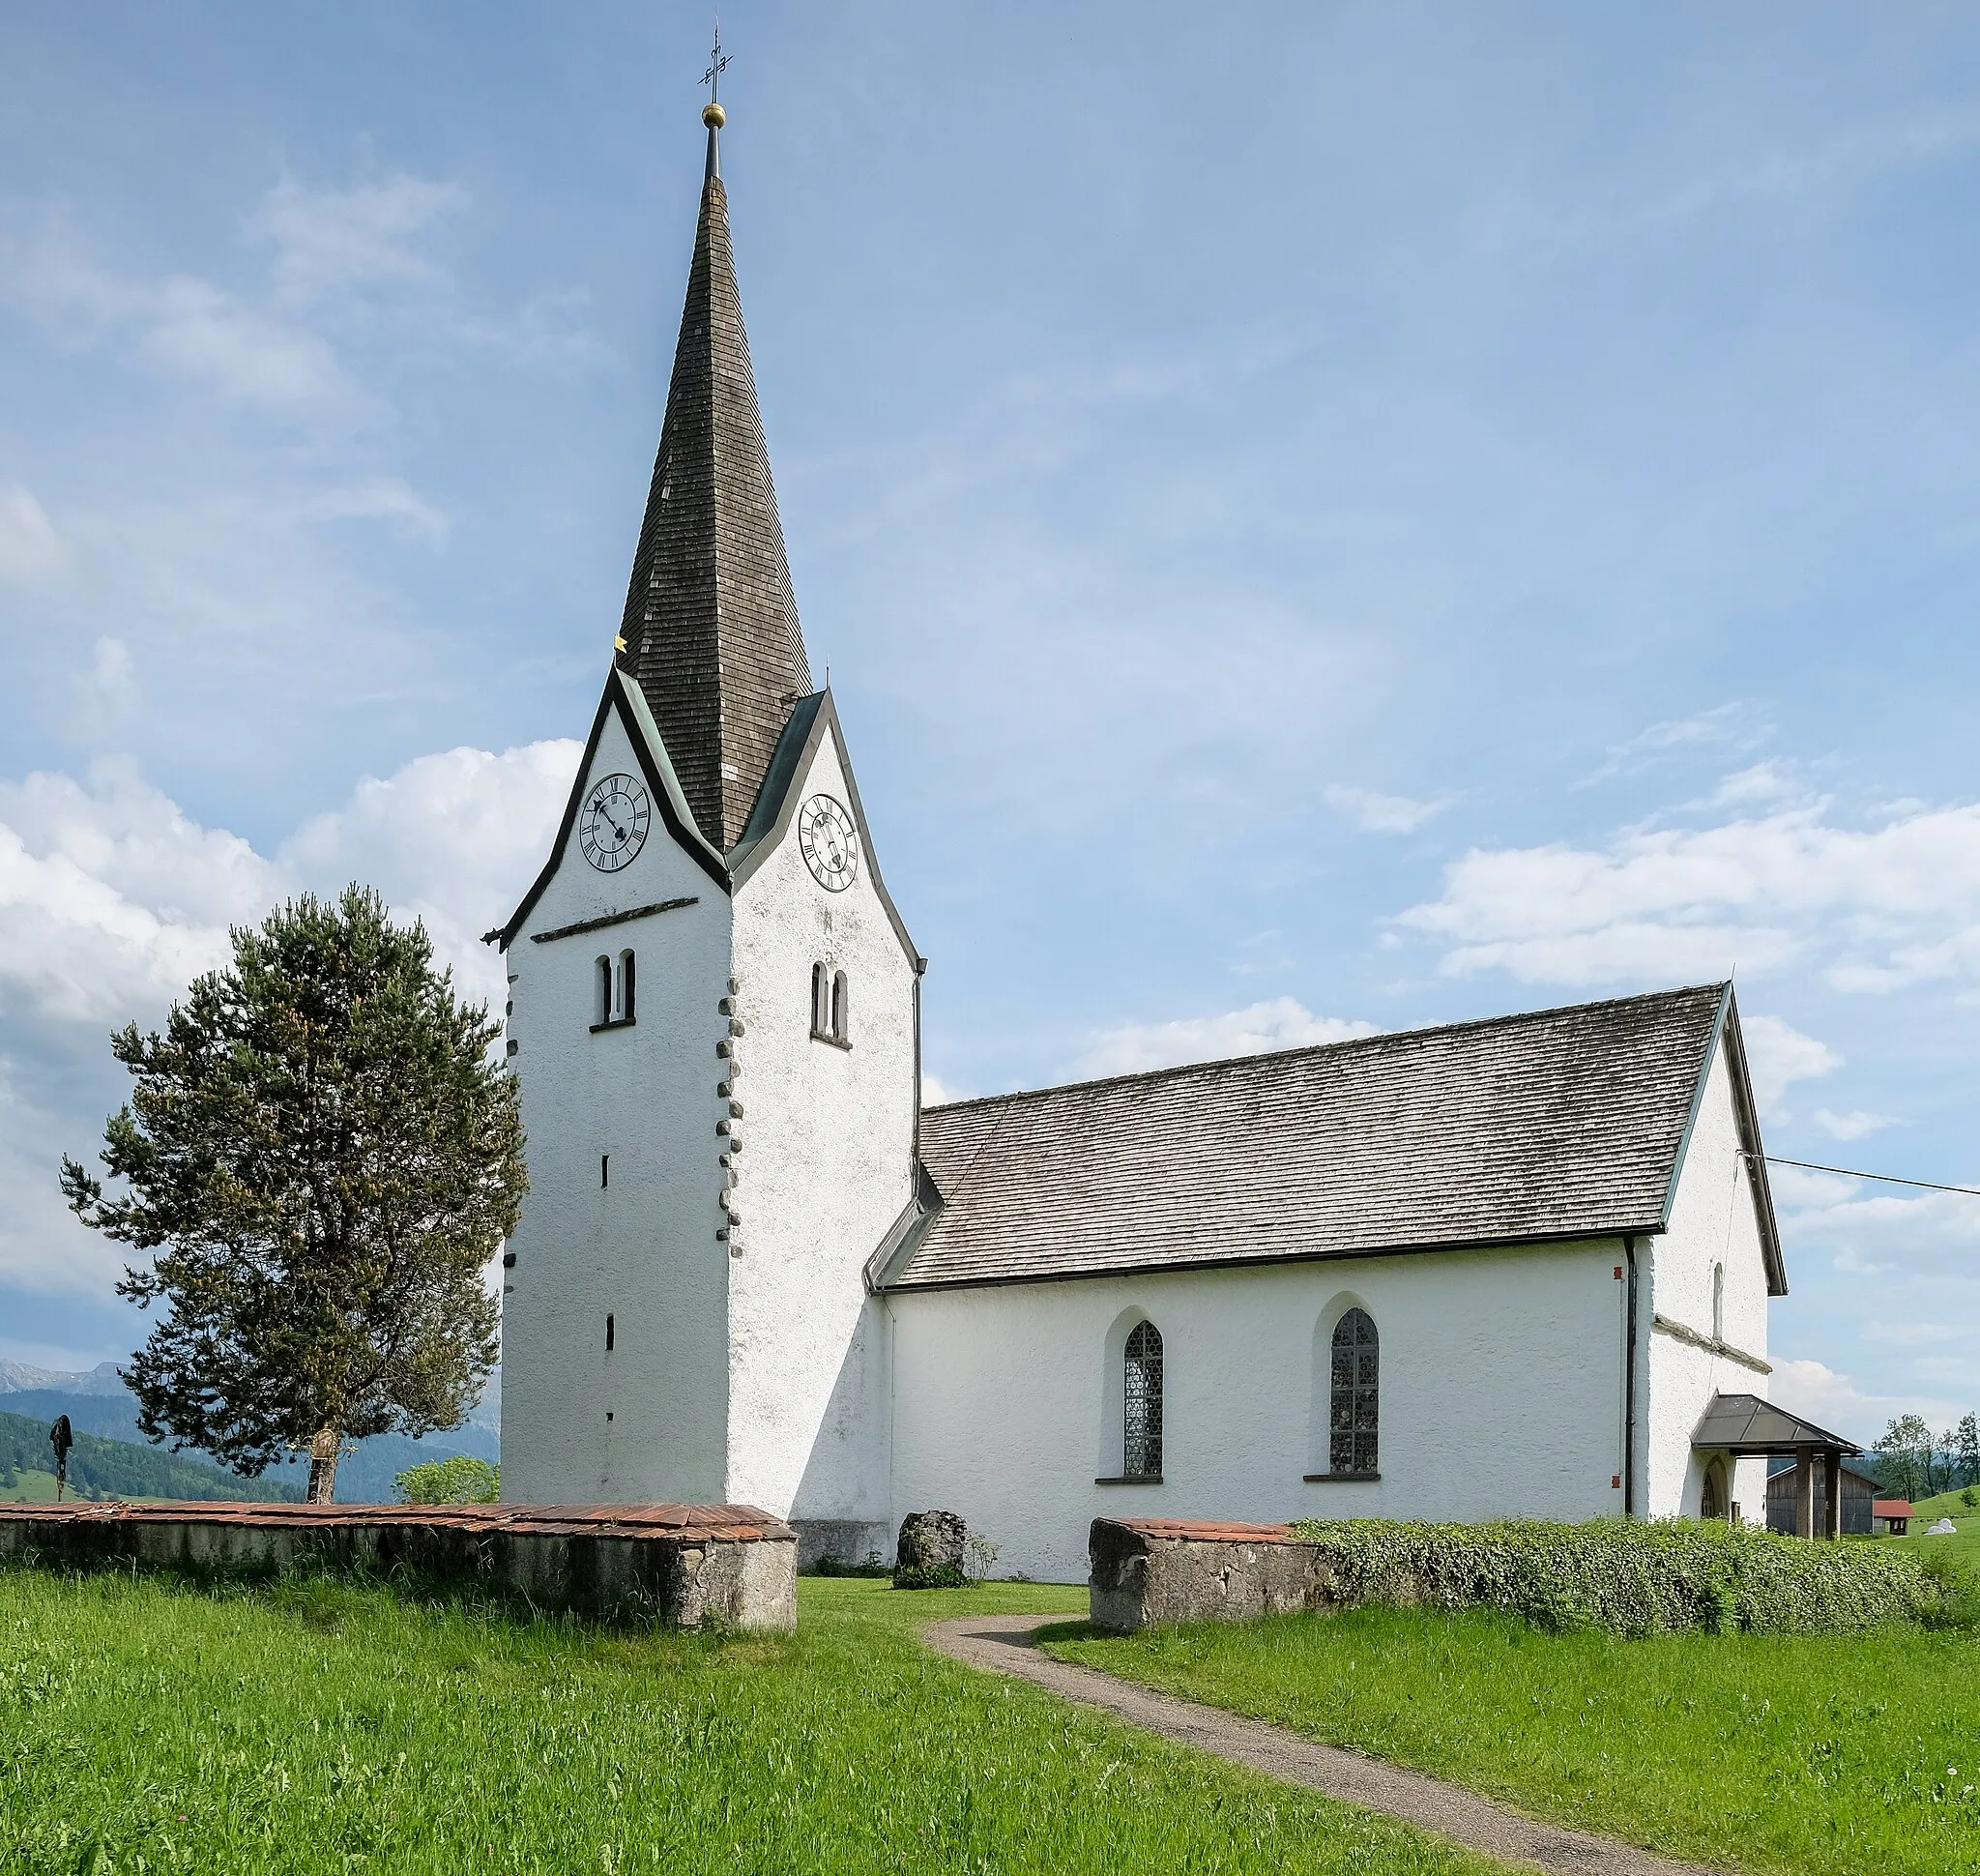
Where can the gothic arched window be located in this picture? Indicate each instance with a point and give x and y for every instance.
(1353, 1405)
(626, 983)
(1141, 1403)
(841, 1013)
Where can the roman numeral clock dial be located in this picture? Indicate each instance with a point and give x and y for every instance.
(830, 843)
(612, 824)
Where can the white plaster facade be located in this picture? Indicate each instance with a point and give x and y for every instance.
(710, 1178)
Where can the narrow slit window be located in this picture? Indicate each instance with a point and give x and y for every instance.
(611, 1334)
(841, 1013)
(1141, 1403)
(819, 999)
(1354, 1403)
(604, 990)
(626, 986)
(604, 1169)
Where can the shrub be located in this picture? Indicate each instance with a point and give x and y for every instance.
(834, 1566)
(941, 1577)
(458, 1480)
(1628, 1578)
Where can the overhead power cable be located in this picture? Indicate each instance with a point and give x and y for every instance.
(1888, 1179)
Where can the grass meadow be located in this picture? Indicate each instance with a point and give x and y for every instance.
(312, 1725)
(1757, 1752)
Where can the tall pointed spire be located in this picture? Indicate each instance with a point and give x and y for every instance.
(710, 627)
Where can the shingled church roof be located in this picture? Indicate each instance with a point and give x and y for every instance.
(710, 625)
(1558, 1124)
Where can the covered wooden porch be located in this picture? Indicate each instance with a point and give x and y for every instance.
(1745, 1426)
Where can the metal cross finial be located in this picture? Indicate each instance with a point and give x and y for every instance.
(717, 60)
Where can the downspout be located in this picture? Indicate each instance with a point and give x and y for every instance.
(1629, 1388)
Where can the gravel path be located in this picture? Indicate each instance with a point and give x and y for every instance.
(1003, 1644)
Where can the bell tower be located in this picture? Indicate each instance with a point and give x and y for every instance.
(713, 1010)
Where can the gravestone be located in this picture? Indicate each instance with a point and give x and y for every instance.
(930, 1550)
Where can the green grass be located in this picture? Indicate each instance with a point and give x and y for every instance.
(320, 1726)
(1764, 1752)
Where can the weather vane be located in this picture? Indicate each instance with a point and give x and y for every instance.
(717, 60)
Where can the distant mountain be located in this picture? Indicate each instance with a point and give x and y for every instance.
(97, 1402)
(17, 1377)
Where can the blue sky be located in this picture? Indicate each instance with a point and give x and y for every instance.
(1318, 516)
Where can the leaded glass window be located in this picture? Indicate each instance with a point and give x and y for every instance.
(1352, 1408)
(1141, 1419)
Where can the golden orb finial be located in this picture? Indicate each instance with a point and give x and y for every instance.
(713, 116)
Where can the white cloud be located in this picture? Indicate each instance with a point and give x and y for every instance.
(113, 900)
(1374, 813)
(1283, 1023)
(385, 499)
(1875, 908)
(935, 1091)
(202, 332)
(329, 239)
(1857, 1124)
(1835, 1402)
(1778, 1055)
(30, 548)
(1720, 726)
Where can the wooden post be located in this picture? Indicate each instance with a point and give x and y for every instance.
(1832, 1470)
(1804, 1491)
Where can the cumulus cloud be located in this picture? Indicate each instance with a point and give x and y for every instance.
(113, 900)
(1725, 725)
(1374, 813)
(30, 548)
(1873, 908)
(1833, 1400)
(1283, 1023)
(1778, 1055)
(935, 1091)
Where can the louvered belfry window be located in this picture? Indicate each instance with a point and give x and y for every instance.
(1141, 1419)
(1353, 1407)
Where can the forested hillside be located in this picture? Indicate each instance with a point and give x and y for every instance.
(104, 1468)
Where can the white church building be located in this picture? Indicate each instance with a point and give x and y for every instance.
(1500, 1268)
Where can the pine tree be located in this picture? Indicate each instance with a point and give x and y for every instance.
(321, 1157)
(1966, 1449)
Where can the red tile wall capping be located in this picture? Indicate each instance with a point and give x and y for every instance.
(720, 1523)
(1205, 1530)
(1560, 1124)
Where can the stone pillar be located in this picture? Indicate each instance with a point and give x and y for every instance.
(1832, 1478)
(1804, 1491)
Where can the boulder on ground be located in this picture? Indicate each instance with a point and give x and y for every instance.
(930, 1552)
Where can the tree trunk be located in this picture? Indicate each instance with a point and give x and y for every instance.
(323, 1451)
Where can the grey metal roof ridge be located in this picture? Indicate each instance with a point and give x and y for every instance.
(1322, 1049)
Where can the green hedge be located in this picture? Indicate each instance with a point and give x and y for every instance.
(1628, 1578)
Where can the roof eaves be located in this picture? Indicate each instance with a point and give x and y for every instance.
(776, 804)
(1601, 1234)
(623, 692)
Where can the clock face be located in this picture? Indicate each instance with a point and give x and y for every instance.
(830, 843)
(612, 823)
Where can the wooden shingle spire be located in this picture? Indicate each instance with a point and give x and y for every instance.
(711, 627)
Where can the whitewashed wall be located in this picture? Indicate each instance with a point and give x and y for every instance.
(826, 1167)
(1713, 1224)
(1502, 1391)
(644, 1248)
